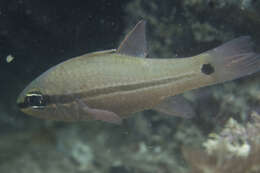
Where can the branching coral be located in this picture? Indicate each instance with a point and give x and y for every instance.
(236, 149)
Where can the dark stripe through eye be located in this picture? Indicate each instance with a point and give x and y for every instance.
(37, 100)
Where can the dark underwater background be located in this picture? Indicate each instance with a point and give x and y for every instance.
(223, 137)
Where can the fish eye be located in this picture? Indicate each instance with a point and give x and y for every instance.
(35, 100)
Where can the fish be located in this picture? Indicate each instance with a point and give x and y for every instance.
(111, 85)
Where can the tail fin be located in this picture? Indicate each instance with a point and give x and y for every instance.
(232, 60)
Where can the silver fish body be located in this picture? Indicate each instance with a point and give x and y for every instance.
(113, 84)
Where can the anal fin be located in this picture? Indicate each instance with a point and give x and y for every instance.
(176, 106)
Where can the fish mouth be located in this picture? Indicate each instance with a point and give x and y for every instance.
(20, 102)
(21, 105)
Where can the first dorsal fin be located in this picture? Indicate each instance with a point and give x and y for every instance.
(134, 43)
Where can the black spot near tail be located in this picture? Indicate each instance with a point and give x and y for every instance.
(207, 69)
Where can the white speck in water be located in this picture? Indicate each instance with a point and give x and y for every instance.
(9, 58)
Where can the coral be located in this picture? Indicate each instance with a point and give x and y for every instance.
(235, 149)
(232, 141)
(201, 162)
(74, 148)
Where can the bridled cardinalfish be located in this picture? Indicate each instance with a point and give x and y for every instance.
(112, 84)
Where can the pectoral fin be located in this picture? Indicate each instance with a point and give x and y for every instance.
(104, 115)
(134, 43)
(176, 106)
(99, 114)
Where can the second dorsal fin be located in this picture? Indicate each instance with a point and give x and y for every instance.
(134, 44)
